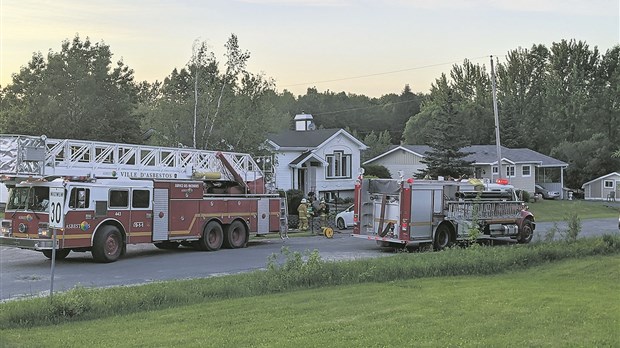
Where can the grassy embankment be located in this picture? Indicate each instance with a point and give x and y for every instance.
(497, 296)
(556, 210)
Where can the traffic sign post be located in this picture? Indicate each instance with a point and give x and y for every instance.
(56, 221)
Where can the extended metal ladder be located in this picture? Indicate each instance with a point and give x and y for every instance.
(284, 217)
(38, 157)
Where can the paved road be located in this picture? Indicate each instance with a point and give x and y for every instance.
(26, 273)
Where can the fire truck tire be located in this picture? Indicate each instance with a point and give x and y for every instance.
(236, 235)
(212, 237)
(526, 233)
(60, 253)
(443, 238)
(108, 244)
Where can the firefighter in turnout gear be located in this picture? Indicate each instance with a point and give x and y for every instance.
(302, 209)
(323, 213)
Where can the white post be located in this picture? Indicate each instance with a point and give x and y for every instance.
(496, 113)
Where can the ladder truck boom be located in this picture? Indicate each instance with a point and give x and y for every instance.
(38, 157)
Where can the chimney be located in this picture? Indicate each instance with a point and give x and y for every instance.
(303, 122)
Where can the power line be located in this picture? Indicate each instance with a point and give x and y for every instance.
(364, 107)
(381, 73)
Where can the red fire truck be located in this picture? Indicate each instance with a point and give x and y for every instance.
(74, 195)
(408, 213)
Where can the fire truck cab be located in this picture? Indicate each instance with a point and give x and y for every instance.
(130, 194)
(402, 213)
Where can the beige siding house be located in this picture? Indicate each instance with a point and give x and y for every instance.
(522, 167)
(606, 187)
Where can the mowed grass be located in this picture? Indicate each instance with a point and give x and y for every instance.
(556, 210)
(567, 303)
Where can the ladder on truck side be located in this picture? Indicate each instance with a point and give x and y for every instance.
(39, 157)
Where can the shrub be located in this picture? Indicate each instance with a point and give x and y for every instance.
(523, 195)
(293, 198)
(379, 171)
(574, 225)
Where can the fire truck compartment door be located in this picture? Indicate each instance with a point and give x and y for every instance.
(391, 215)
(263, 215)
(421, 214)
(160, 214)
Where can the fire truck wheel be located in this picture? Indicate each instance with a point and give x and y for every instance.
(443, 237)
(212, 237)
(60, 253)
(108, 244)
(526, 233)
(236, 235)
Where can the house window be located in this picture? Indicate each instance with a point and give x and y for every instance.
(338, 165)
(494, 169)
(609, 184)
(526, 170)
(510, 171)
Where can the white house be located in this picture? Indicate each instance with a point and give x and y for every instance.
(605, 187)
(325, 161)
(522, 167)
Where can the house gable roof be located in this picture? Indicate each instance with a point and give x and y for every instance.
(600, 178)
(305, 156)
(291, 139)
(486, 154)
(417, 150)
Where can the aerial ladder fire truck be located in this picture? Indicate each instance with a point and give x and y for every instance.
(409, 213)
(76, 195)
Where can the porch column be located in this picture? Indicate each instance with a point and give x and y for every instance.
(562, 182)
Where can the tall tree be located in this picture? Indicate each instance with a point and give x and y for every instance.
(75, 94)
(377, 143)
(472, 93)
(235, 64)
(572, 73)
(521, 94)
(447, 139)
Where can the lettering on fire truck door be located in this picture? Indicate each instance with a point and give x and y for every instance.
(160, 214)
(140, 225)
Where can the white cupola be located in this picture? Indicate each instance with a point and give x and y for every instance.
(303, 122)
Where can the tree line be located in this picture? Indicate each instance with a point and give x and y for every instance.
(562, 101)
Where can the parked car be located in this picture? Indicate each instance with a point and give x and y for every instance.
(344, 219)
(546, 193)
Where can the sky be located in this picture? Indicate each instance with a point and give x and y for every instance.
(356, 46)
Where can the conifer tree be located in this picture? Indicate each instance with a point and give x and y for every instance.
(447, 138)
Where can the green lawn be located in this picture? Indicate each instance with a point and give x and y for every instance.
(569, 303)
(556, 210)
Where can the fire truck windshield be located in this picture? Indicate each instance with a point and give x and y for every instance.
(29, 198)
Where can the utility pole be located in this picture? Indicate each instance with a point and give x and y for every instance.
(497, 142)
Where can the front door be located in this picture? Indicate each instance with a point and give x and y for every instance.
(301, 179)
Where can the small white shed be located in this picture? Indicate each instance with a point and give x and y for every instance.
(606, 187)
